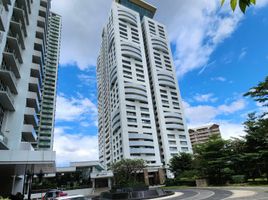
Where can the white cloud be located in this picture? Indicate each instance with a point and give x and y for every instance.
(205, 97)
(75, 109)
(233, 107)
(203, 114)
(195, 27)
(229, 130)
(261, 3)
(87, 79)
(219, 78)
(83, 21)
(242, 54)
(74, 147)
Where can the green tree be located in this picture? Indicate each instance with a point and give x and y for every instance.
(180, 163)
(237, 161)
(213, 160)
(243, 4)
(260, 92)
(256, 128)
(126, 171)
(256, 145)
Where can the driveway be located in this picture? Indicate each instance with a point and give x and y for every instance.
(222, 193)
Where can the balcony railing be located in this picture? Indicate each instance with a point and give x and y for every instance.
(7, 90)
(6, 97)
(9, 77)
(2, 26)
(3, 141)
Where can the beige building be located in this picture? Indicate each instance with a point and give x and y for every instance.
(201, 134)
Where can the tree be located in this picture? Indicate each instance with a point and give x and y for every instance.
(126, 171)
(260, 92)
(213, 160)
(256, 145)
(243, 4)
(180, 163)
(256, 128)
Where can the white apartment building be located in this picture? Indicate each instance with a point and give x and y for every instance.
(23, 34)
(140, 109)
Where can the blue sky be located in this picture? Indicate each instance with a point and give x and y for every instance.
(218, 54)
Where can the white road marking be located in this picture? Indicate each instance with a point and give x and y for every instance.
(176, 194)
(240, 194)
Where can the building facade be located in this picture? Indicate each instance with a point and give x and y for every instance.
(23, 36)
(201, 134)
(139, 104)
(49, 86)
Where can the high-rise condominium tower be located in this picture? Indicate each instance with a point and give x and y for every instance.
(47, 113)
(23, 37)
(140, 109)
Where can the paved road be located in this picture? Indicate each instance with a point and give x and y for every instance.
(243, 193)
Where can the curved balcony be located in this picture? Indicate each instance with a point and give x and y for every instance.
(116, 126)
(113, 76)
(172, 120)
(110, 38)
(136, 86)
(166, 74)
(134, 90)
(120, 11)
(131, 50)
(173, 115)
(127, 17)
(142, 151)
(165, 82)
(114, 114)
(175, 126)
(160, 45)
(141, 143)
(139, 136)
(137, 97)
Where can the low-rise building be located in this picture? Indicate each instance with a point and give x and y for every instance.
(201, 134)
(86, 174)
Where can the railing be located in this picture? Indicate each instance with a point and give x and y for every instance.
(6, 89)
(12, 51)
(5, 68)
(1, 36)
(3, 138)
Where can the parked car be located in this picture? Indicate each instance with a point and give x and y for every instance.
(53, 194)
(73, 197)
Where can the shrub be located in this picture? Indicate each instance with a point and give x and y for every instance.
(238, 179)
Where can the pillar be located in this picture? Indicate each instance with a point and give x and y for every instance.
(161, 174)
(110, 183)
(146, 176)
